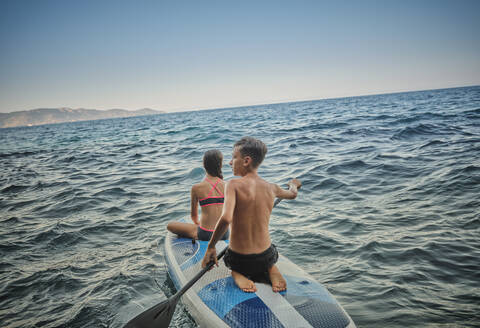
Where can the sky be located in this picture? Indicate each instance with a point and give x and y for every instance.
(190, 55)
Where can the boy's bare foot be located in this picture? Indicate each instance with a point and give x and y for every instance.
(278, 282)
(243, 282)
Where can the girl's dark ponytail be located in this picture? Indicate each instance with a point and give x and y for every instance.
(212, 162)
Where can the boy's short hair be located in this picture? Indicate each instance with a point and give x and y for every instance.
(252, 147)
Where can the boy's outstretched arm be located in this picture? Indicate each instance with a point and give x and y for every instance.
(222, 224)
(291, 193)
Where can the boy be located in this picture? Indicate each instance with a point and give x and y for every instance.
(247, 208)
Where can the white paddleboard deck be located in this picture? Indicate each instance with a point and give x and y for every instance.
(215, 300)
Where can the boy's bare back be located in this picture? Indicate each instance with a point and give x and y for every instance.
(253, 206)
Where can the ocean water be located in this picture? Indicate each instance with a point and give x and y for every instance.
(388, 218)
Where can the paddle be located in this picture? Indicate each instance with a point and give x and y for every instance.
(161, 314)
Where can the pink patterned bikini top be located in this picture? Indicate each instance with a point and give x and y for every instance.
(212, 200)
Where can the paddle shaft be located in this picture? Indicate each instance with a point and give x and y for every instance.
(199, 275)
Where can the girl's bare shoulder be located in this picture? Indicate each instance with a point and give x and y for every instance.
(198, 186)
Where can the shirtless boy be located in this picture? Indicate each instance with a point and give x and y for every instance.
(247, 208)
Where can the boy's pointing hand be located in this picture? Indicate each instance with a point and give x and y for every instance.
(297, 183)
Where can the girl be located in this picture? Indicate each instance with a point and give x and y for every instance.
(209, 195)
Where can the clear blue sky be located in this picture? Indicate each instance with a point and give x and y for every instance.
(187, 55)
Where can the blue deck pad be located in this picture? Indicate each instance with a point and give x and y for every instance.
(178, 240)
(184, 249)
(318, 313)
(222, 295)
(307, 288)
(252, 313)
(314, 303)
(196, 256)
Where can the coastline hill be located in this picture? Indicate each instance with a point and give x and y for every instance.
(60, 115)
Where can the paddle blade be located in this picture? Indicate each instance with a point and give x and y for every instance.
(158, 316)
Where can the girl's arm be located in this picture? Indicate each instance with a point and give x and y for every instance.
(194, 206)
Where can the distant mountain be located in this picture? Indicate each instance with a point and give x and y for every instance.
(59, 115)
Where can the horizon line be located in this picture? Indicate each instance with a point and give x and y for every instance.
(255, 104)
(317, 99)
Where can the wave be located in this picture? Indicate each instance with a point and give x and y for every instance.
(20, 154)
(14, 189)
(348, 166)
(419, 130)
(433, 143)
(116, 191)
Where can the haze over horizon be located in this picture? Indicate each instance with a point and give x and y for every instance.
(241, 105)
(187, 56)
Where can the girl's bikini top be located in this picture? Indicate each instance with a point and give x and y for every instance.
(212, 200)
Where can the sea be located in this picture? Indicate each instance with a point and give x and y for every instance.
(388, 217)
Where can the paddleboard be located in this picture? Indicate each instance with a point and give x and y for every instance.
(215, 300)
